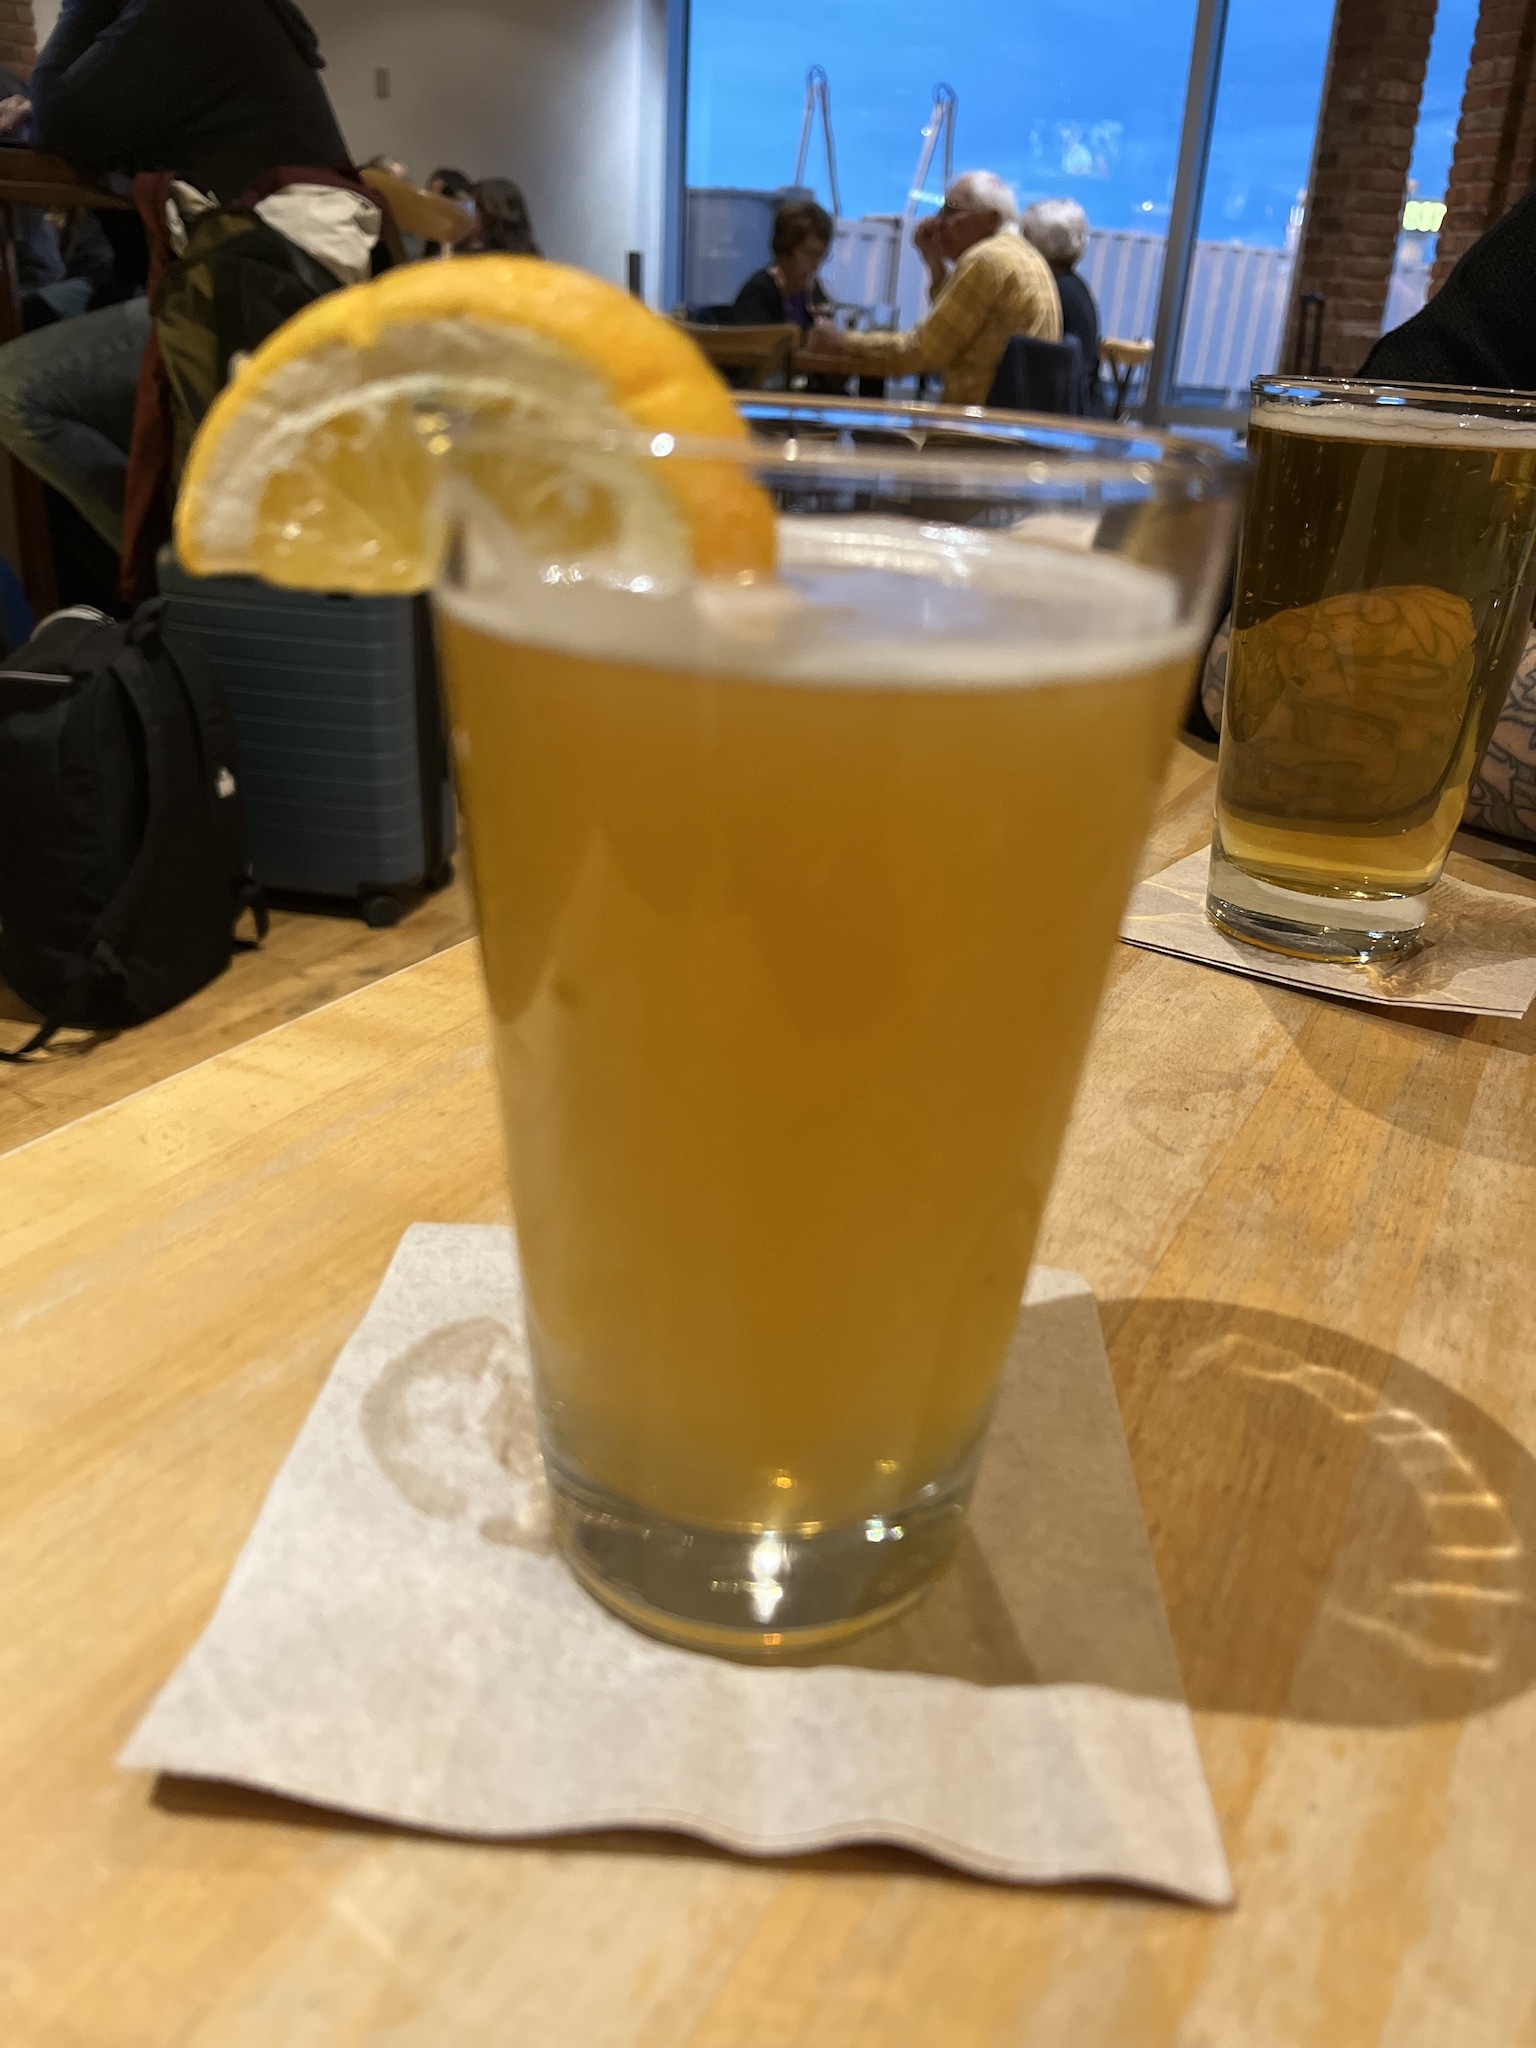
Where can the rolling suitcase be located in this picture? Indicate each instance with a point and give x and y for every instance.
(336, 707)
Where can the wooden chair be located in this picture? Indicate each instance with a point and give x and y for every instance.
(1123, 359)
(759, 352)
(411, 211)
(1040, 376)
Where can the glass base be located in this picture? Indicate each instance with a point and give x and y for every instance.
(758, 1594)
(1348, 929)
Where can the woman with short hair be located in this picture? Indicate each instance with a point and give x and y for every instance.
(787, 292)
(1059, 230)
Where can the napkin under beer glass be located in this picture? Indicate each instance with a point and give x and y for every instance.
(796, 896)
(1383, 592)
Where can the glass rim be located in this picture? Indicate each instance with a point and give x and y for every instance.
(1478, 399)
(982, 452)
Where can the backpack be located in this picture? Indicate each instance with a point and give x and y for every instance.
(236, 283)
(122, 840)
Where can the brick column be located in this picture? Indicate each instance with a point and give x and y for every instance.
(1495, 159)
(18, 37)
(1360, 175)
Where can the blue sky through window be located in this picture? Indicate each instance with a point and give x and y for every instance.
(1076, 96)
(1440, 103)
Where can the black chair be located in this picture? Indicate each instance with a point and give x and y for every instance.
(1040, 376)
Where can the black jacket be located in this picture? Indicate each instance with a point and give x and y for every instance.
(216, 91)
(1079, 316)
(760, 302)
(1480, 327)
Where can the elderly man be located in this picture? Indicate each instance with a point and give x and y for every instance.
(987, 284)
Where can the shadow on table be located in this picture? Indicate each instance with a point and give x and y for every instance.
(1425, 1101)
(1340, 1537)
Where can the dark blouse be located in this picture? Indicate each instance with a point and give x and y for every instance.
(761, 303)
(1079, 316)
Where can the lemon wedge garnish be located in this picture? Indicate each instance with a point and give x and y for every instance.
(318, 466)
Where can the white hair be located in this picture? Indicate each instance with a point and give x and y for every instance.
(1058, 228)
(987, 193)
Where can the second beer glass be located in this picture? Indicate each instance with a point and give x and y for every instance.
(1383, 591)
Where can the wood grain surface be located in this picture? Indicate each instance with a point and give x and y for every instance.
(1310, 1227)
(310, 957)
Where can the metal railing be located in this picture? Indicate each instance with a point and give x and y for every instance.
(1234, 313)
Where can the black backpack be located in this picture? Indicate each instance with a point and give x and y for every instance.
(122, 840)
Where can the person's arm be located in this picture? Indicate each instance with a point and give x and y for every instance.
(925, 240)
(1502, 798)
(114, 78)
(15, 105)
(955, 316)
(79, 23)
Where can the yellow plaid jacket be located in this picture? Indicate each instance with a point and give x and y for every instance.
(1000, 287)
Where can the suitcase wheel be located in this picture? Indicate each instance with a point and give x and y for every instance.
(380, 909)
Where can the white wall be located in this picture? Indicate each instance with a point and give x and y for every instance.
(566, 96)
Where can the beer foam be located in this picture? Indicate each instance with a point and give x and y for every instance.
(1401, 426)
(859, 603)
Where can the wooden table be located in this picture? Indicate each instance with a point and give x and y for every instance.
(758, 352)
(1311, 1228)
(29, 178)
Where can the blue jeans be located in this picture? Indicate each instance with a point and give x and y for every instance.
(66, 407)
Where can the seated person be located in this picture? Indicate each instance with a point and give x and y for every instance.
(502, 221)
(987, 285)
(217, 95)
(787, 292)
(1476, 331)
(1058, 228)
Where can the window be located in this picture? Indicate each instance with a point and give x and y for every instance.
(1077, 96)
(1450, 53)
(1082, 97)
(1267, 100)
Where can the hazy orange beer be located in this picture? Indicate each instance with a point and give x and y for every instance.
(795, 908)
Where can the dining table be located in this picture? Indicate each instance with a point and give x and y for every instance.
(1310, 1227)
(31, 177)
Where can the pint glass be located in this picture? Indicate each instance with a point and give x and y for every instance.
(795, 897)
(1383, 591)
